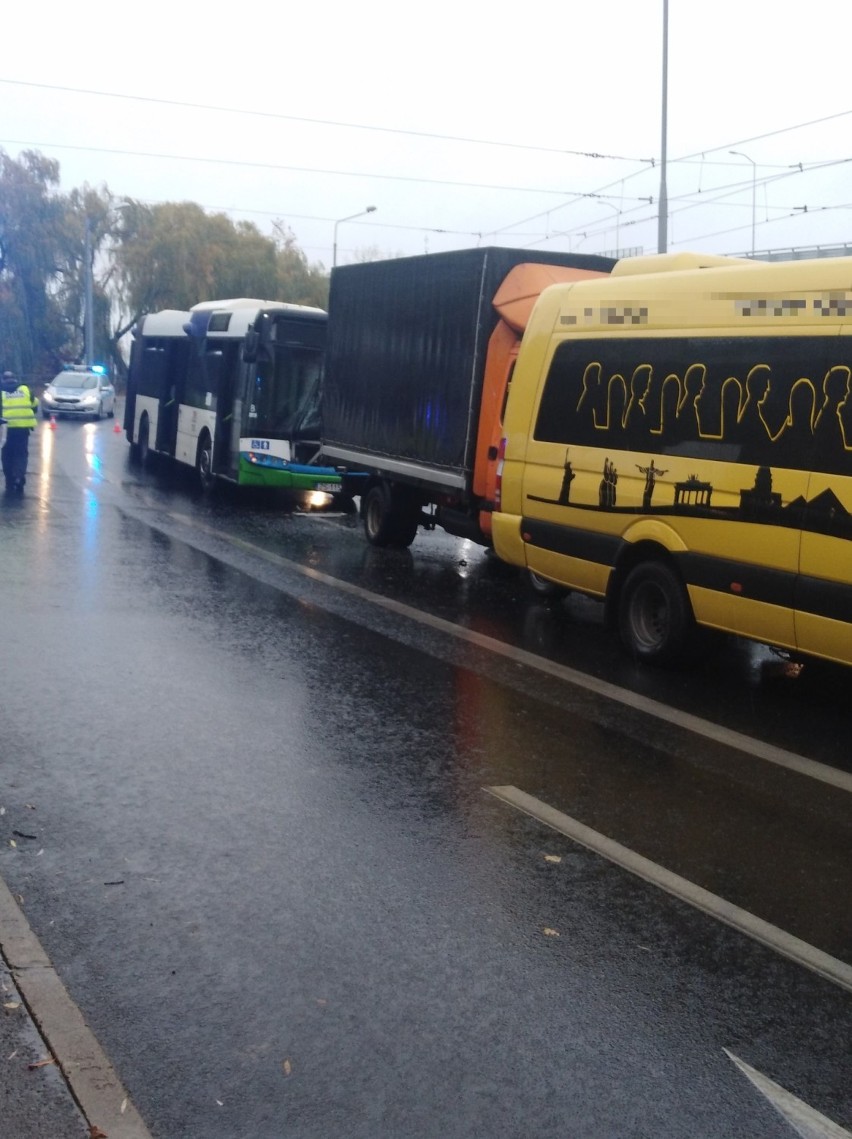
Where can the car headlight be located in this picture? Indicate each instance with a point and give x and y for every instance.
(89, 399)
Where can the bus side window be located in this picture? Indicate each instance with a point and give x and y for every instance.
(151, 371)
(203, 380)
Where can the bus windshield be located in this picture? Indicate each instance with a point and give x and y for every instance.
(285, 399)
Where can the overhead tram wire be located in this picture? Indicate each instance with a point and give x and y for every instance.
(698, 155)
(286, 216)
(576, 197)
(689, 200)
(291, 169)
(766, 134)
(329, 122)
(796, 212)
(601, 193)
(695, 199)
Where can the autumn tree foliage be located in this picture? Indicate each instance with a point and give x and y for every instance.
(137, 258)
(33, 245)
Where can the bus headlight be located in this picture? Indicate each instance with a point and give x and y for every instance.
(319, 498)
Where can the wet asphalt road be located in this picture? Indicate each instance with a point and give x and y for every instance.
(267, 870)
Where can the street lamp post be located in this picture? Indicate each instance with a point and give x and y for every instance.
(617, 223)
(663, 210)
(740, 154)
(363, 213)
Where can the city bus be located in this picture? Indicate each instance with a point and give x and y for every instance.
(678, 444)
(232, 389)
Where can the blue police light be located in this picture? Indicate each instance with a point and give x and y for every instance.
(99, 369)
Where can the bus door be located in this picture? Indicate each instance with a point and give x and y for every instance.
(228, 411)
(167, 393)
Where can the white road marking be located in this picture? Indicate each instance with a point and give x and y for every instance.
(830, 968)
(804, 1120)
(91, 1077)
(769, 753)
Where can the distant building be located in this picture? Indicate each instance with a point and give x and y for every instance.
(799, 253)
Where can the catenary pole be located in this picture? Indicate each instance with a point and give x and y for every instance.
(662, 219)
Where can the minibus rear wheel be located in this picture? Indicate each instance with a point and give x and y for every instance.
(655, 619)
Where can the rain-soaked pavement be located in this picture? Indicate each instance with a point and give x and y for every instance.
(254, 756)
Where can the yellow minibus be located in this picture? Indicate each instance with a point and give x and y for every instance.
(678, 443)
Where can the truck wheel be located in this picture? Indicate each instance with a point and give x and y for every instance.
(204, 462)
(655, 618)
(405, 530)
(405, 511)
(378, 520)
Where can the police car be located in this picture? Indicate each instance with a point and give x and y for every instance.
(79, 392)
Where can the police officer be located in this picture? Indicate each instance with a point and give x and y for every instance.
(18, 408)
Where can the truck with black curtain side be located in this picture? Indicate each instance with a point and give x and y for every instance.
(419, 359)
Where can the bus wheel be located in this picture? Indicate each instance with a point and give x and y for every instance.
(139, 450)
(378, 520)
(204, 462)
(655, 618)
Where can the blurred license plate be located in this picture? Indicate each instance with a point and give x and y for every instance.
(329, 487)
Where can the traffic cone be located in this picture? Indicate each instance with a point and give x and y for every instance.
(53, 423)
(116, 428)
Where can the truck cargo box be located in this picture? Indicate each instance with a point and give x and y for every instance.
(407, 341)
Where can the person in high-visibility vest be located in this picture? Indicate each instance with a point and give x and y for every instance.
(18, 407)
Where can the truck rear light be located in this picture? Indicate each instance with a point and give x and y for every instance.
(498, 482)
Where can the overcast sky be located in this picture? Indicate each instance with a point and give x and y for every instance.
(463, 123)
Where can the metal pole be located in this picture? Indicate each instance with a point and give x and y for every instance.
(740, 154)
(363, 213)
(753, 203)
(662, 218)
(88, 322)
